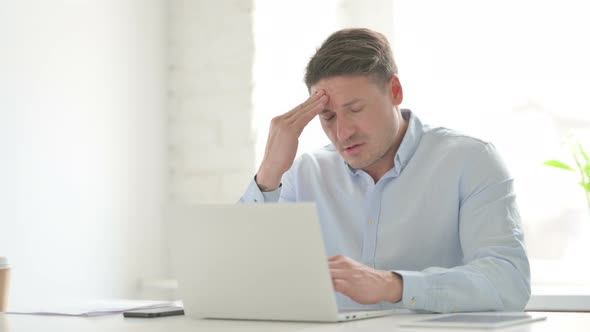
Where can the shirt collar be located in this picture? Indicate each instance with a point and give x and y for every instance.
(407, 147)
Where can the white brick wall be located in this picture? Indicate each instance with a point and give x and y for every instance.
(211, 142)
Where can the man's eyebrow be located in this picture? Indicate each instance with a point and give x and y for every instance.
(355, 100)
(350, 103)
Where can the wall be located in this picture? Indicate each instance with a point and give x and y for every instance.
(211, 144)
(82, 125)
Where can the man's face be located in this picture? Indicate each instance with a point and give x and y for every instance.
(361, 119)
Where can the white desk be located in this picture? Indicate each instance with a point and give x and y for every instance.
(560, 298)
(556, 321)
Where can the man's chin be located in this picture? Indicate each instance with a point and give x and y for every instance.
(356, 164)
(359, 164)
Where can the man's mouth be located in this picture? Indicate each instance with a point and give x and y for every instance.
(353, 148)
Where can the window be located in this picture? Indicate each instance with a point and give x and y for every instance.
(286, 35)
(512, 72)
(515, 73)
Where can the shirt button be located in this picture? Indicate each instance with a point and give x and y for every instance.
(371, 221)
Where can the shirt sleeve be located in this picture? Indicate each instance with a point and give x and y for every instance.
(496, 273)
(253, 194)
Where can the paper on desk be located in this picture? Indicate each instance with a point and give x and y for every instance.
(91, 308)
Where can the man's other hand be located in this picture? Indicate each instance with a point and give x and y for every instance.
(363, 284)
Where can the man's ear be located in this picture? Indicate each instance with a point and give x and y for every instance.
(397, 91)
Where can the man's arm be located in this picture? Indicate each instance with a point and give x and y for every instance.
(495, 275)
(281, 148)
(283, 139)
(255, 194)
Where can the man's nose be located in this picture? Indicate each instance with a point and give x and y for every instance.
(344, 128)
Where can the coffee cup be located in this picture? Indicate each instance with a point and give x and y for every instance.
(4, 283)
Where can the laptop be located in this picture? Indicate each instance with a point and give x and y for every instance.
(254, 261)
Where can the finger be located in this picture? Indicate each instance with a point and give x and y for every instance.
(341, 286)
(307, 103)
(336, 264)
(314, 97)
(305, 116)
(340, 261)
(339, 274)
(313, 108)
(339, 266)
(336, 258)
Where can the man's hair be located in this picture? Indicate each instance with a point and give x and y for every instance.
(351, 52)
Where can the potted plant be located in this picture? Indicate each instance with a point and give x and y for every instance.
(582, 166)
(573, 222)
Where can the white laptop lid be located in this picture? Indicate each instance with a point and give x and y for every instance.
(255, 261)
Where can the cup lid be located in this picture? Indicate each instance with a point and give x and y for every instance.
(3, 262)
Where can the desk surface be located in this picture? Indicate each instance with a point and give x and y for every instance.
(556, 321)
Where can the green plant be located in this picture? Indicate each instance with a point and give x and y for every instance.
(582, 165)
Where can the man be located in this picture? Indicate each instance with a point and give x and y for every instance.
(412, 216)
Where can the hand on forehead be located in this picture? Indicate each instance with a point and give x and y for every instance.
(341, 90)
(335, 96)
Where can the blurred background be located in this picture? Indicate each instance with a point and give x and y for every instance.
(109, 109)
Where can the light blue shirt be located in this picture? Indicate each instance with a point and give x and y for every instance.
(444, 218)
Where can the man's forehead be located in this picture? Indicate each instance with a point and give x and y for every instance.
(332, 104)
(344, 91)
(343, 88)
(335, 88)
